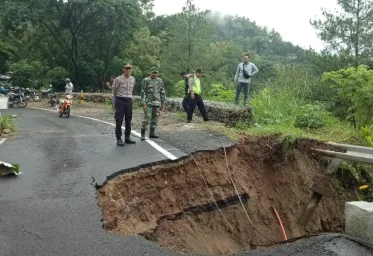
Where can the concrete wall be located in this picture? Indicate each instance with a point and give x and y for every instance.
(359, 220)
(218, 111)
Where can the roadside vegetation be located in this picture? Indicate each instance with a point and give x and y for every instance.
(6, 123)
(298, 93)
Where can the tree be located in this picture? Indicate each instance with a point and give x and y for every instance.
(6, 52)
(356, 86)
(27, 74)
(191, 36)
(88, 32)
(351, 31)
(142, 39)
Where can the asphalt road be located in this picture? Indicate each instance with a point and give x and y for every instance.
(51, 209)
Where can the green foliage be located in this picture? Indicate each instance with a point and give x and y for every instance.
(191, 35)
(219, 92)
(354, 85)
(27, 74)
(56, 74)
(145, 60)
(179, 89)
(310, 116)
(286, 108)
(6, 122)
(349, 31)
(366, 133)
(271, 107)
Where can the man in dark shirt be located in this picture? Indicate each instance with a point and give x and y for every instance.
(185, 102)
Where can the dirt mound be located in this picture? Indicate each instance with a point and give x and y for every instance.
(171, 204)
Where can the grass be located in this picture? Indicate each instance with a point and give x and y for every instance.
(286, 113)
(7, 122)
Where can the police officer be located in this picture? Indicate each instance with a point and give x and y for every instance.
(122, 93)
(195, 98)
(153, 99)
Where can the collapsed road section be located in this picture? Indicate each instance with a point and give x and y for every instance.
(225, 201)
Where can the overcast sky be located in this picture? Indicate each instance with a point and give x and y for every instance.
(288, 17)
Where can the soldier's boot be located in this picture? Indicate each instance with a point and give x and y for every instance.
(152, 134)
(142, 134)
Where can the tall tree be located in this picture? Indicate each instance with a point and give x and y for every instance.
(350, 31)
(191, 36)
(142, 39)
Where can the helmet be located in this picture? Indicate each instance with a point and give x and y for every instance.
(67, 80)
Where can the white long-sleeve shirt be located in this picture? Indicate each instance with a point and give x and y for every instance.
(250, 68)
(69, 88)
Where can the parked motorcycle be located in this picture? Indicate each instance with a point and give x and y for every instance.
(51, 96)
(65, 106)
(17, 97)
(31, 93)
(52, 99)
(46, 94)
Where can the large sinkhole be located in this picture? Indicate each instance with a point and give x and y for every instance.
(174, 206)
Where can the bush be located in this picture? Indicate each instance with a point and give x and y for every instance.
(219, 92)
(274, 108)
(6, 122)
(285, 107)
(310, 116)
(179, 89)
(366, 133)
(27, 74)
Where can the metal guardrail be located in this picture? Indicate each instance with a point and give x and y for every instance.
(359, 154)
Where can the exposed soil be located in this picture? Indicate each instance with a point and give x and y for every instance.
(170, 203)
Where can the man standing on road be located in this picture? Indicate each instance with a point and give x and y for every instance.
(153, 99)
(185, 102)
(122, 93)
(195, 98)
(244, 71)
(69, 87)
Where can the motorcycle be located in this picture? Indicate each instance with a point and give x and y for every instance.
(52, 97)
(65, 106)
(31, 93)
(46, 94)
(17, 97)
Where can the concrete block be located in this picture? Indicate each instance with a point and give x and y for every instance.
(359, 220)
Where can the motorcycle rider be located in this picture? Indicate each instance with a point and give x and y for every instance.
(69, 88)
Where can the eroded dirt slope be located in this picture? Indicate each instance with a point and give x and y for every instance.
(170, 204)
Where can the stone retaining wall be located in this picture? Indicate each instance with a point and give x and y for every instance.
(221, 112)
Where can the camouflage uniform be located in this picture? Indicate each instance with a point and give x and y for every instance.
(153, 95)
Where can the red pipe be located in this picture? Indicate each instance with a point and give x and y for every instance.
(280, 222)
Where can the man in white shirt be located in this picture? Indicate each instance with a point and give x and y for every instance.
(69, 87)
(244, 71)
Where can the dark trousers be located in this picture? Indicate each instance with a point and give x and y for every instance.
(123, 110)
(246, 88)
(185, 103)
(198, 101)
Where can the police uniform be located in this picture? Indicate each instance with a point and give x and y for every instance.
(122, 94)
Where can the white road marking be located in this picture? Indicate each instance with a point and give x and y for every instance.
(151, 143)
(2, 140)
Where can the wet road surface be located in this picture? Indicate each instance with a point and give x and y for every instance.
(51, 208)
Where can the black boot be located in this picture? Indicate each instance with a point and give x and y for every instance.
(129, 141)
(142, 134)
(120, 142)
(152, 134)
